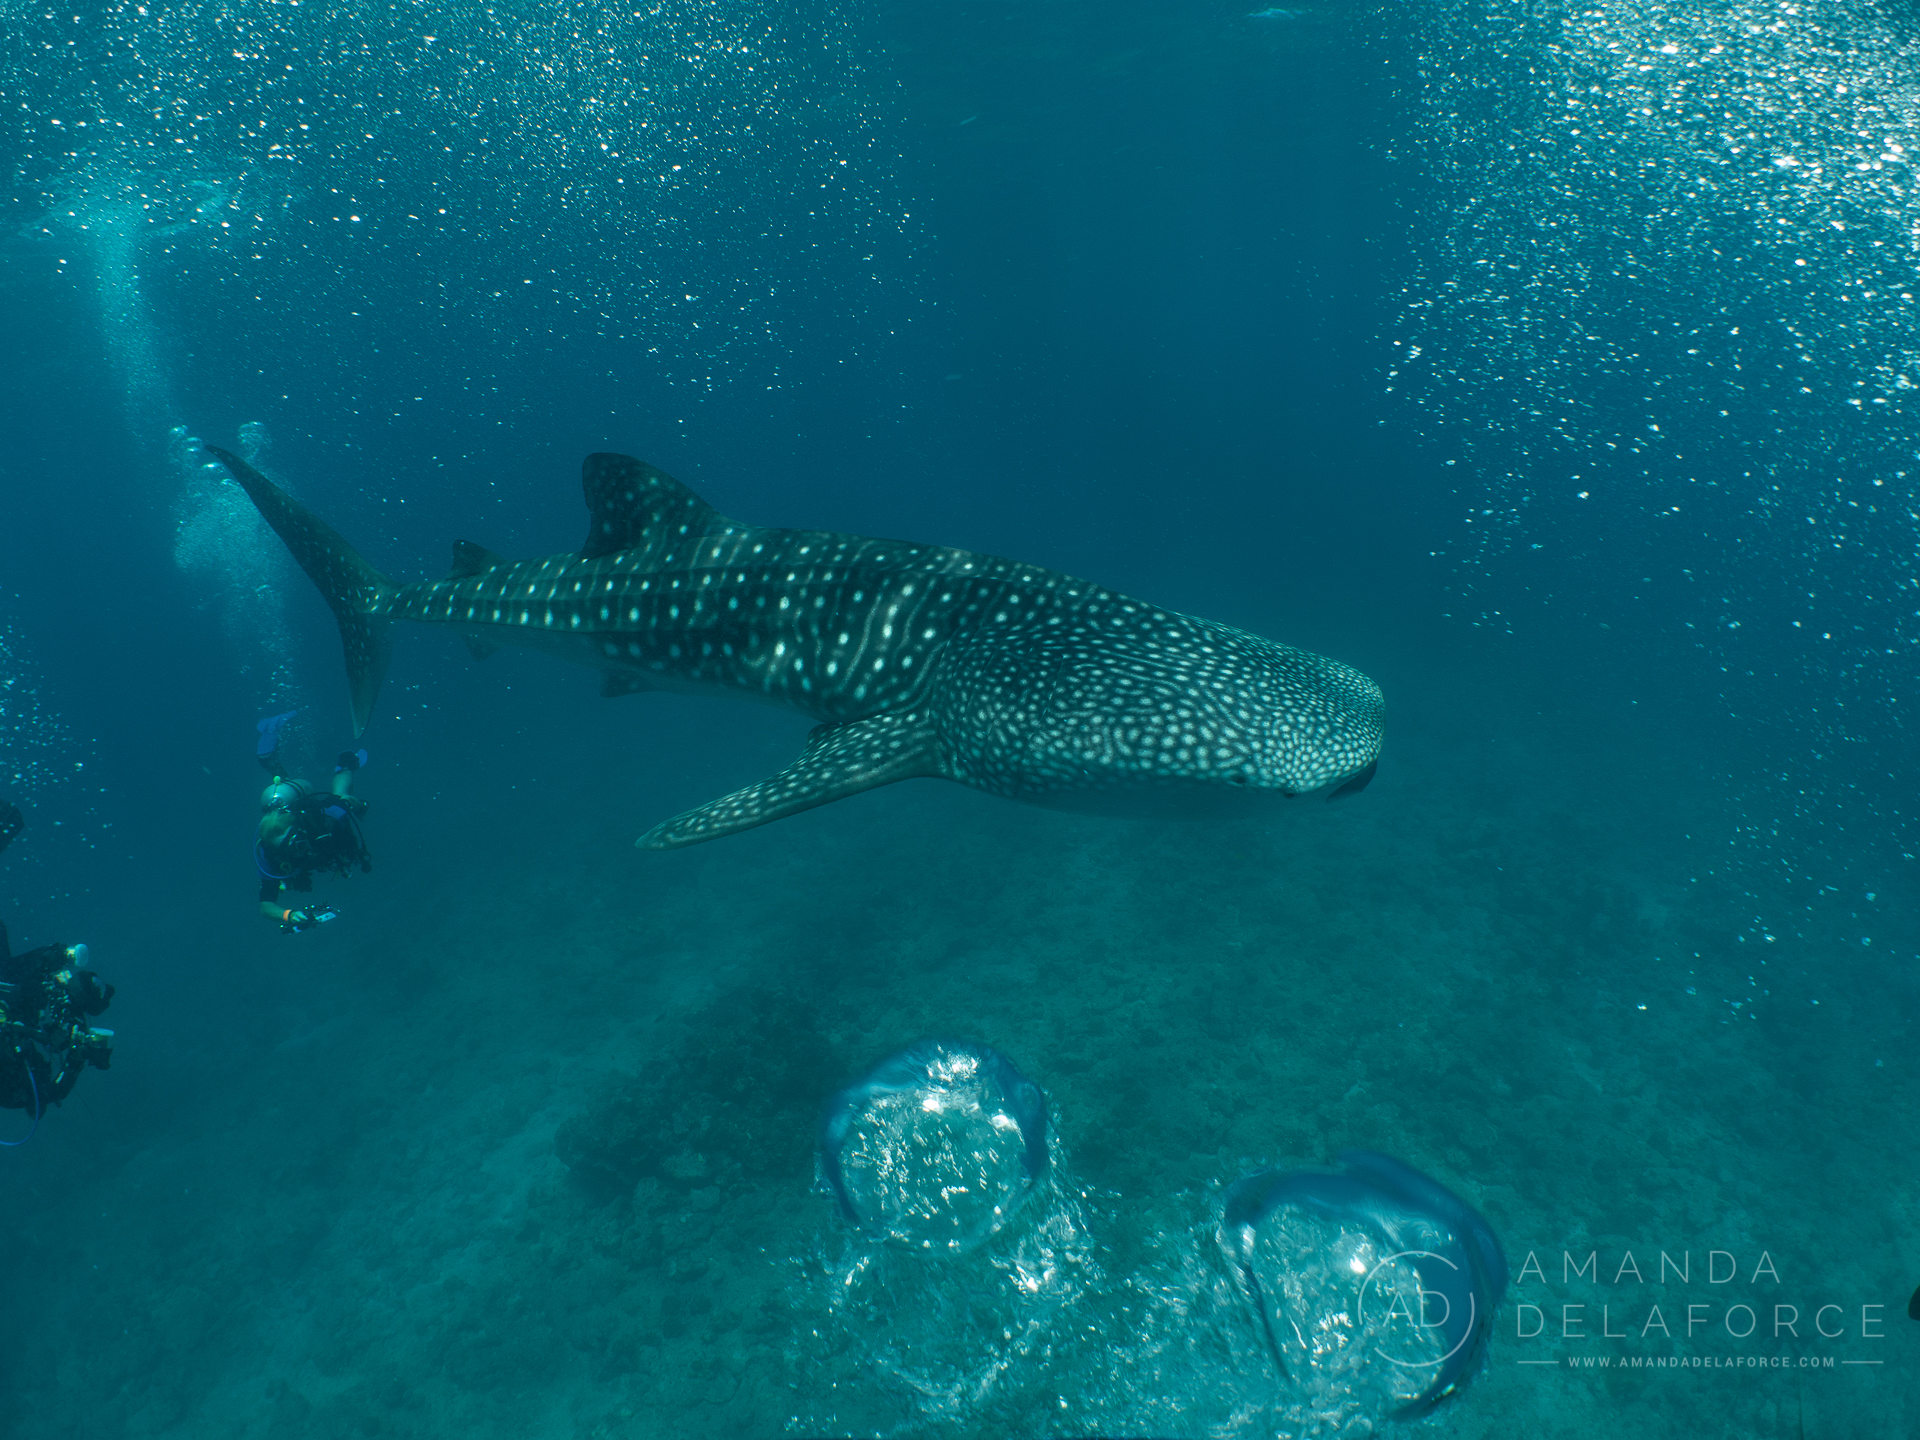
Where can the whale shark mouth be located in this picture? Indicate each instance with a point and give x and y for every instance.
(1356, 784)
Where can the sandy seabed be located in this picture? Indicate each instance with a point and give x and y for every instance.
(523, 1145)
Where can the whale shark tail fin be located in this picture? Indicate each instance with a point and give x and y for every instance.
(351, 587)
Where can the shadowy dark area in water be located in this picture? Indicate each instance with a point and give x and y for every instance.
(1619, 944)
(732, 1101)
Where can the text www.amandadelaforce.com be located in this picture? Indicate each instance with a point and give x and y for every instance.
(1699, 1362)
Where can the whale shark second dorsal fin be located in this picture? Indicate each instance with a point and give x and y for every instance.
(636, 507)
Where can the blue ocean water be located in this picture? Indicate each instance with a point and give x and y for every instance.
(1551, 363)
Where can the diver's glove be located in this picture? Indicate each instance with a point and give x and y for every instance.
(292, 922)
(349, 760)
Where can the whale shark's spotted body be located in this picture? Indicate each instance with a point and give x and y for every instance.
(919, 660)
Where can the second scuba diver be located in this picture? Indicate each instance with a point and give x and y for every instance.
(47, 996)
(304, 831)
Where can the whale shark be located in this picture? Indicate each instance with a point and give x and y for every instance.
(917, 660)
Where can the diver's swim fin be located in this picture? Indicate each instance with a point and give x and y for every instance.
(349, 584)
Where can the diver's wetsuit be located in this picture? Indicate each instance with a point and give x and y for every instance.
(45, 1001)
(324, 836)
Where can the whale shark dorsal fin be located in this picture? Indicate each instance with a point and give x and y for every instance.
(470, 559)
(638, 508)
(839, 760)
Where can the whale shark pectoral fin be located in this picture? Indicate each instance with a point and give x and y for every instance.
(636, 507)
(1356, 783)
(839, 760)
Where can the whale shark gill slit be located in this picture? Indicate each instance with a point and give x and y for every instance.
(916, 660)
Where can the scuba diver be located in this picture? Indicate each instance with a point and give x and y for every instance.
(304, 831)
(46, 998)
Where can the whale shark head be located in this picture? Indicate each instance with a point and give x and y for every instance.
(1145, 711)
(1315, 727)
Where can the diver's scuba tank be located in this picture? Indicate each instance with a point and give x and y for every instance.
(283, 792)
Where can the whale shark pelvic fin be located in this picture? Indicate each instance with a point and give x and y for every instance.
(350, 585)
(839, 760)
(615, 683)
(471, 559)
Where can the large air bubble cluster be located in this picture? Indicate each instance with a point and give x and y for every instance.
(133, 226)
(962, 1254)
(40, 757)
(1660, 228)
(36, 748)
(938, 1148)
(1664, 327)
(1376, 1288)
(462, 187)
(968, 1280)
